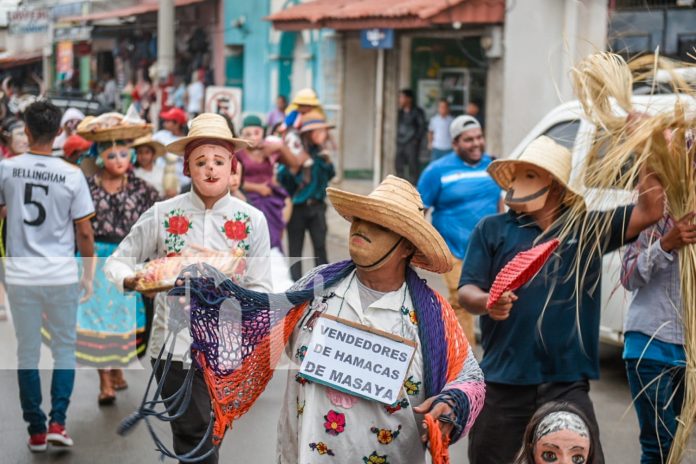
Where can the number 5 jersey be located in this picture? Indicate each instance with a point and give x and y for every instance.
(44, 197)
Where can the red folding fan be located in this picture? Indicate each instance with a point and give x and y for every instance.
(520, 270)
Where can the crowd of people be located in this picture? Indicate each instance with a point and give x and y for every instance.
(127, 195)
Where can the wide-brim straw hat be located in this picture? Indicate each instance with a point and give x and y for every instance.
(207, 126)
(306, 97)
(396, 205)
(313, 120)
(158, 148)
(113, 134)
(543, 153)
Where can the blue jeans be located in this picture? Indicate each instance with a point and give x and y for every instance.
(59, 304)
(658, 392)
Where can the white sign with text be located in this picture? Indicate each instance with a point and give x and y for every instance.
(357, 360)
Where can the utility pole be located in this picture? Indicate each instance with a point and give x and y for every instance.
(165, 38)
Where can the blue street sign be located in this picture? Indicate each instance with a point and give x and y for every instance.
(377, 38)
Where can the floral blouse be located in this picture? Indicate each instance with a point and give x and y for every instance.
(117, 213)
(172, 225)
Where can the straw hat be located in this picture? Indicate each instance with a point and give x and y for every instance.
(314, 120)
(154, 144)
(543, 153)
(396, 205)
(207, 126)
(306, 97)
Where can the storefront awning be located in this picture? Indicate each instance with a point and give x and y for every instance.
(141, 8)
(388, 14)
(12, 60)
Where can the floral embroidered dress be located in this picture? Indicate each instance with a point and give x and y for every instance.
(109, 322)
(319, 424)
(172, 225)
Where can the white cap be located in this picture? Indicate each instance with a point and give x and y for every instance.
(463, 123)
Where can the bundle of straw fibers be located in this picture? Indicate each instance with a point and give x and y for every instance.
(599, 78)
(663, 144)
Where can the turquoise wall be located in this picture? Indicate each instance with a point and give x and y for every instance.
(256, 66)
(260, 57)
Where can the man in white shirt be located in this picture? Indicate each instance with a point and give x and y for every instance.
(195, 93)
(49, 208)
(208, 217)
(439, 140)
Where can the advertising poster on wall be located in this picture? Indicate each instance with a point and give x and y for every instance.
(428, 96)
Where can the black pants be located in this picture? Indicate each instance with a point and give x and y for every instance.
(305, 217)
(407, 159)
(144, 339)
(189, 429)
(497, 434)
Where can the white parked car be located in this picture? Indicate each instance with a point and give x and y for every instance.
(568, 126)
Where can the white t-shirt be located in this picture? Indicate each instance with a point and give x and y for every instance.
(440, 127)
(165, 137)
(44, 196)
(195, 97)
(154, 177)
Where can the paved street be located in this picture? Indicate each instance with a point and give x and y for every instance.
(253, 438)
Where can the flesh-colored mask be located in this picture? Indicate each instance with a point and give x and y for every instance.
(529, 189)
(562, 447)
(370, 245)
(20, 142)
(210, 168)
(117, 159)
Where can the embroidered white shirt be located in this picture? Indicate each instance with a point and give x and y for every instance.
(318, 424)
(170, 226)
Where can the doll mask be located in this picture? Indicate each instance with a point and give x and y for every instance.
(561, 438)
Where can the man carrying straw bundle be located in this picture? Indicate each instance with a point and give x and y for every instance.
(541, 344)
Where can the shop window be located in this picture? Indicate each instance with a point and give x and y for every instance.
(686, 46)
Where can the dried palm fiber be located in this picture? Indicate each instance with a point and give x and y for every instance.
(599, 79)
(643, 69)
(662, 144)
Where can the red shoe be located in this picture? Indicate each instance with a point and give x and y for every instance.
(58, 436)
(37, 442)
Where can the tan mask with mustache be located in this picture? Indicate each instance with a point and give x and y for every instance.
(370, 245)
(529, 189)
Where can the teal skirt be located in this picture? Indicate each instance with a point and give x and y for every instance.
(111, 324)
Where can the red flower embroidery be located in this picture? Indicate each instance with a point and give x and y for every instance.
(178, 225)
(335, 422)
(236, 230)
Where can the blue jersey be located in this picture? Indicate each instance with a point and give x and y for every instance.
(460, 195)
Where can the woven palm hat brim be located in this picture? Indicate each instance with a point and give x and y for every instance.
(545, 154)
(147, 141)
(306, 97)
(207, 126)
(112, 134)
(310, 126)
(396, 205)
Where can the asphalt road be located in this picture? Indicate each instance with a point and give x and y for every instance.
(253, 438)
